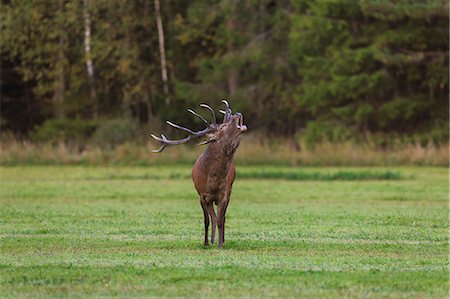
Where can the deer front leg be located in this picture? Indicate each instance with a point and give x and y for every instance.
(213, 220)
(224, 216)
(206, 218)
(222, 209)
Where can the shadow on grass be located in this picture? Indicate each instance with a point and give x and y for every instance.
(230, 244)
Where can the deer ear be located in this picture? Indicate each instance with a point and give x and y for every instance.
(211, 138)
(206, 141)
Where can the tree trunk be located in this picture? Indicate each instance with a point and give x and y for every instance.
(88, 58)
(162, 52)
(60, 88)
(232, 74)
(169, 29)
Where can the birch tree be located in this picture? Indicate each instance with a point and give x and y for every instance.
(162, 52)
(88, 57)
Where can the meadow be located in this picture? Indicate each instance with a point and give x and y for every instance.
(316, 232)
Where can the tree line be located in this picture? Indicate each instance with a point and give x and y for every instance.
(331, 69)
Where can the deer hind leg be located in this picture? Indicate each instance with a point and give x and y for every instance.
(206, 218)
(213, 220)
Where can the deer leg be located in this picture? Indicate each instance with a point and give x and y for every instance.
(221, 221)
(224, 216)
(206, 218)
(214, 222)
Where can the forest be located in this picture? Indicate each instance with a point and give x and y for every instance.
(308, 70)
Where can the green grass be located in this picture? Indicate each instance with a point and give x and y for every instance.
(73, 231)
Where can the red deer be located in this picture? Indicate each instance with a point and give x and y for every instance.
(213, 173)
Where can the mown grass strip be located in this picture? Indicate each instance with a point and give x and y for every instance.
(274, 175)
(321, 176)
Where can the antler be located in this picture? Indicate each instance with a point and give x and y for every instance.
(214, 121)
(227, 112)
(166, 142)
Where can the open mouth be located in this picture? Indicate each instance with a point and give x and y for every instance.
(240, 124)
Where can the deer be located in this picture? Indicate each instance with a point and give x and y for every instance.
(213, 173)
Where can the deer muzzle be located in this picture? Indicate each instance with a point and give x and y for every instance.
(240, 124)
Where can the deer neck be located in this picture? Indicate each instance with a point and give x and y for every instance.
(217, 160)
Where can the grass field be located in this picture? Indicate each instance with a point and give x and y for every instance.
(73, 231)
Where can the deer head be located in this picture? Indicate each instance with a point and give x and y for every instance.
(228, 133)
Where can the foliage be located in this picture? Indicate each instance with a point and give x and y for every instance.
(364, 65)
(71, 131)
(111, 133)
(138, 237)
(329, 70)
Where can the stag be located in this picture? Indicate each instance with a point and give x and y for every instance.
(213, 173)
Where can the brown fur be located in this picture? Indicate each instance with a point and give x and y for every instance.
(213, 175)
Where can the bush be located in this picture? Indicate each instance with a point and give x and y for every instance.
(71, 131)
(319, 132)
(113, 132)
